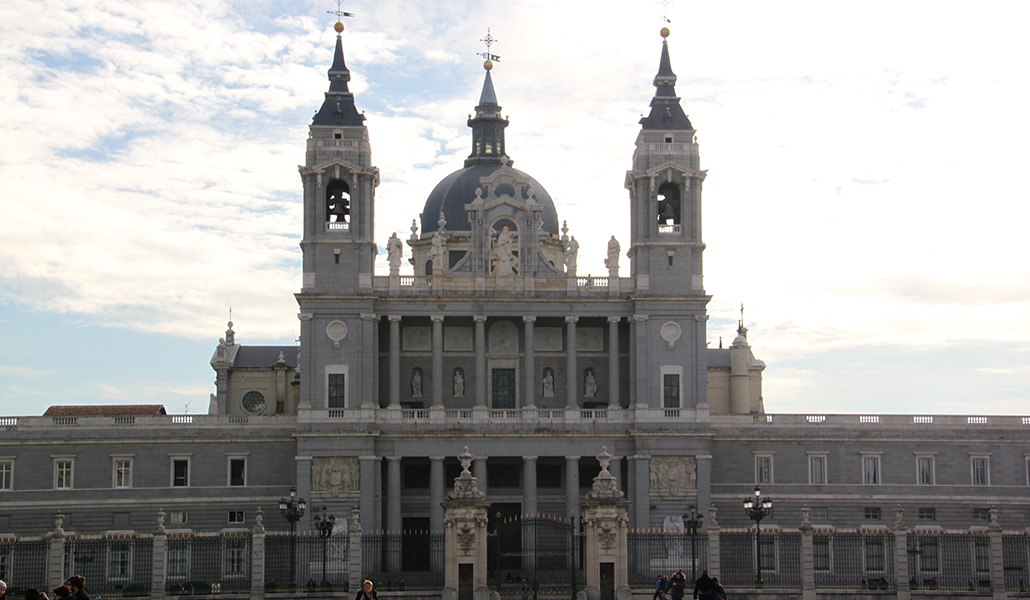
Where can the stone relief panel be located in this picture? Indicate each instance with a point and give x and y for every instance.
(417, 339)
(673, 475)
(589, 339)
(503, 339)
(457, 339)
(334, 475)
(547, 339)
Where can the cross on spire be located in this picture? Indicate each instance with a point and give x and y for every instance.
(489, 40)
(339, 12)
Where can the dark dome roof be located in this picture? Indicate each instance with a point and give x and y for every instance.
(459, 188)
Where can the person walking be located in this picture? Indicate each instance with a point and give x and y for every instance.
(703, 587)
(678, 585)
(659, 588)
(366, 592)
(718, 592)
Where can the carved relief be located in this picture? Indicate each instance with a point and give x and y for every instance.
(457, 339)
(504, 339)
(606, 537)
(418, 339)
(548, 339)
(466, 539)
(673, 475)
(334, 475)
(589, 339)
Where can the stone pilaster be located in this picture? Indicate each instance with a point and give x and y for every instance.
(613, 361)
(257, 557)
(395, 361)
(713, 541)
(465, 522)
(55, 562)
(571, 368)
(807, 555)
(529, 391)
(354, 567)
(480, 349)
(605, 525)
(159, 559)
(901, 573)
(437, 360)
(998, 590)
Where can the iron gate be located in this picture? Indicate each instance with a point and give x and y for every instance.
(536, 558)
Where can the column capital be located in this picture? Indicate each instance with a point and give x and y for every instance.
(437, 458)
(395, 318)
(370, 458)
(638, 318)
(479, 318)
(436, 318)
(369, 317)
(529, 319)
(529, 458)
(304, 316)
(700, 317)
(393, 458)
(614, 319)
(572, 458)
(571, 319)
(301, 458)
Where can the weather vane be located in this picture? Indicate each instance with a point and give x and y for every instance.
(665, 7)
(339, 12)
(489, 41)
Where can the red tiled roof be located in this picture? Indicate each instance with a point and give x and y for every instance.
(105, 410)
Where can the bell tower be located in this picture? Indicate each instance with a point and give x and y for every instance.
(336, 299)
(665, 194)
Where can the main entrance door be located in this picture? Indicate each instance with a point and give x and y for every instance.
(503, 388)
(536, 558)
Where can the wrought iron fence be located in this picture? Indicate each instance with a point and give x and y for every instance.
(200, 563)
(1015, 551)
(306, 560)
(853, 560)
(411, 560)
(23, 564)
(950, 561)
(117, 566)
(653, 553)
(776, 565)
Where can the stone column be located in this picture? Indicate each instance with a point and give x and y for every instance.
(304, 488)
(529, 376)
(713, 542)
(480, 344)
(704, 481)
(482, 481)
(901, 574)
(369, 392)
(437, 485)
(395, 361)
(571, 370)
(308, 398)
(393, 511)
(529, 493)
(642, 491)
(355, 574)
(998, 590)
(437, 360)
(55, 555)
(642, 380)
(159, 560)
(807, 556)
(572, 486)
(605, 521)
(257, 558)
(613, 362)
(465, 542)
(367, 476)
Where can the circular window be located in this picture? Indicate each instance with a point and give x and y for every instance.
(253, 402)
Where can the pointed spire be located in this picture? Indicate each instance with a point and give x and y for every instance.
(488, 97)
(487, 124)
(338, 107)
(666, 112)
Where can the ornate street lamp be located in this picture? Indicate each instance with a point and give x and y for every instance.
(324, 524)
(292, 509)
(757, 508)
(692, 521)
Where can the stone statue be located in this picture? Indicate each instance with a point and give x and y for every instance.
(570, 256)
(505, 258)
(548, 382)
(394, 251)
(459, 384)
(416, 384)
(589, 384)
(612, 262)
(436, 254)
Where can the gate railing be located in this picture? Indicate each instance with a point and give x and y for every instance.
(407, 561)
(658, 552)
(536, 558)
(305, 561)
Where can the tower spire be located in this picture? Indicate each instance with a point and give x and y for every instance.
(666, 112)
(338, 107)
(487, 124)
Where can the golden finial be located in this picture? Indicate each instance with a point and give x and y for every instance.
(338, 27)
(340, 14)
(664, 32)
(488, 64)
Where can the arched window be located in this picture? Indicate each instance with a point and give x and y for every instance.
(337, 202)
(669, 206)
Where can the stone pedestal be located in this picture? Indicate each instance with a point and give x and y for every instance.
(465, 522)
(605, 523)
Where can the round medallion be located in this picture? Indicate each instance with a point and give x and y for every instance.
(253, 402)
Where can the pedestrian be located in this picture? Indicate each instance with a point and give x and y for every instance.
(703, 587)
(718, 592)
(678, 585)
(659, 588)
(77, 583)
(61, 592)
(367, 593)
(3, 590)
(34, 594)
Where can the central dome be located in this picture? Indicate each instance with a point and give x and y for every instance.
(459, 188)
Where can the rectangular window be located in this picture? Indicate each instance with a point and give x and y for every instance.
(874, 557)
(872, 513)
(237, 517)
(981, 466)
(763, 468)
(816, 469)
(6, 475)
(178, 517)
(337, 389)
(870, 469)
(671, 390)
(982, 514)
(820, 512)
(118, 563)
(123, 472)
(925, 470)
(64, 471)
(237, 471)
(821, 553)
(180, 472)
(928, 514)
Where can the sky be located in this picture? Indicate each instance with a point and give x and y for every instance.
(865, 197)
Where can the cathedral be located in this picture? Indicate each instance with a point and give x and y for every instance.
(495, 344)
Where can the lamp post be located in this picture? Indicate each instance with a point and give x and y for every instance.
(292, 509)
(692, 521)
(757, 508)
(324, 524)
